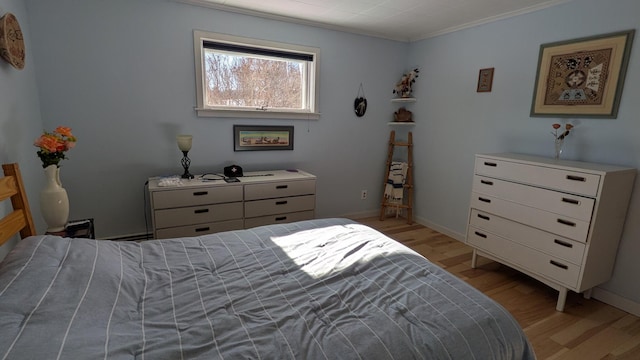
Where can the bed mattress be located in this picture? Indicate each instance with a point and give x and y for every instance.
(318, 289)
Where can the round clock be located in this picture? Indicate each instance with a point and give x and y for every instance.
(11, 42)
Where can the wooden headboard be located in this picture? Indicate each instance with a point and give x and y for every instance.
(19, 220)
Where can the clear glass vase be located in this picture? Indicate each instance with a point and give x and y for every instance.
(558, 148)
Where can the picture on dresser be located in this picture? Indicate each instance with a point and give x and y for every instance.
(255, 137)
(582, 77)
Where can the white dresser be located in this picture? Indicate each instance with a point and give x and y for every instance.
(197, 207)
(557, 221)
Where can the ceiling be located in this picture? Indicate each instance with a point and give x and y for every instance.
(403, 20)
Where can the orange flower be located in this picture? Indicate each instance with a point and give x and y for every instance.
(568, 126)
(52, 146)
(556, 126)
(64, 131)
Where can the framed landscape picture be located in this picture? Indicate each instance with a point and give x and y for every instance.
(251, 138)
(582, 77)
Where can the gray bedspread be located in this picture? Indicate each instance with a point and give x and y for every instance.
(319, 289)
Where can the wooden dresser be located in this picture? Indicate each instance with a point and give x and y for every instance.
(557, 221)
(197, 207)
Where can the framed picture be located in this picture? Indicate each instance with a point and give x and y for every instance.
(582, 77)
(251, 138)
(485, 80)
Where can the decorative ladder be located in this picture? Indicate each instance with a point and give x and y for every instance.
(408, 183)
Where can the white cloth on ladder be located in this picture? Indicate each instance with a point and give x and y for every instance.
(394, 189)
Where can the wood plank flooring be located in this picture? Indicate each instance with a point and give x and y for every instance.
(587, 329)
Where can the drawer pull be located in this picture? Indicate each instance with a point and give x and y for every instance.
(281, 218)
(481, 235)
(484, 217)
(283, 202)
(567, 222)
(282, 186)
(560, 265)
(202, 229)
(571, 201)
(200, 193)
(486, 182)
(200, 211)
(484, 199)
(563, 243)
(492, 164)
(576, 178)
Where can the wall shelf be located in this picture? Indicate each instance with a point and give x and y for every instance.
(400, 123)
(404, 100)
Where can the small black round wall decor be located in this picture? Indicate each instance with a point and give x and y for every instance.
(360, 106)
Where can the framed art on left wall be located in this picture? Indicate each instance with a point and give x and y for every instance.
(258, 137)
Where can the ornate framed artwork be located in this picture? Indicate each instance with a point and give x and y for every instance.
(485, 80)
(582, 77)
(251, 138)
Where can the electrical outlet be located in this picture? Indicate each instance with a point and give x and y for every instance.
(363, 194)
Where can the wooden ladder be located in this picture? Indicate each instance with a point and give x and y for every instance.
(407, 202)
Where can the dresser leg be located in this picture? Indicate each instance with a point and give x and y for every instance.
(562, 299)
(474, 259)
(587, 293)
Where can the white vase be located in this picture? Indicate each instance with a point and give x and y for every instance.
(54, 202)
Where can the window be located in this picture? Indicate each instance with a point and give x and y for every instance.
(241, 77)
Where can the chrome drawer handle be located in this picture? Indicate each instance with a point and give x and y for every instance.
(571, 201)
(555, 263)
(200, 193)
(563, 243)
(200, 211)
(486, 182)
(492, 164)
(484, 199)
(566, 222)
(281, 218)
(481, 235)
(576, 178)
(282, 186)
(484, 217)
(202, 229)
(281, 202)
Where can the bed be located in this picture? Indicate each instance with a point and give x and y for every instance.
(317, 289)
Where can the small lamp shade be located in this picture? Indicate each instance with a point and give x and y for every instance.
(184, 142)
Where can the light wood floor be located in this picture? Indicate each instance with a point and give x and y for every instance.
(587, 329)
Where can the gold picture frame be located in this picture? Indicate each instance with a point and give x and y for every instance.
(254, 138)
(582, 77)
(485, 80)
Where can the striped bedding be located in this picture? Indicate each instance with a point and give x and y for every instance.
(318, 289)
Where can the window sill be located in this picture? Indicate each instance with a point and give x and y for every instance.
(268, 114)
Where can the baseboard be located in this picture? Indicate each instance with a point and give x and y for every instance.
(441, 229)
(617, 301)
(131, 237)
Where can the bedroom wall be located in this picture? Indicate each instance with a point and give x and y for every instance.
(456, 122)
(20, 121)
(121, 74)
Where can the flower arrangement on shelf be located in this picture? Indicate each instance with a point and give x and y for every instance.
(559, 137)
(53, 145)
(403, 87)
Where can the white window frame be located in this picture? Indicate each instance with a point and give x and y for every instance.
(312, 91)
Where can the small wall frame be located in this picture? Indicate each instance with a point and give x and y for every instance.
(485, 80)
(256, 137)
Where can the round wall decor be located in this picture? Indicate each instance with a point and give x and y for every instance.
(11, 42)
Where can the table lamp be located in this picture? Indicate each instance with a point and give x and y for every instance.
(184, 144)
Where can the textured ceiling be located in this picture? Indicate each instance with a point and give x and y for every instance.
(403, 20)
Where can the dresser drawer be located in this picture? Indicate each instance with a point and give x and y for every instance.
(196, 196)
(197, 214)
(279, 189)
(574, 206)
(200, 229)
(279, 206)
(526, 258)
(546, 242)
(548, 177)
(558, 224)
(278, 219)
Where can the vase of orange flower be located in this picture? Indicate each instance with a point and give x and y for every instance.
(559, 137)
(54, 201)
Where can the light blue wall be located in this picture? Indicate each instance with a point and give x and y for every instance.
(121, 74)
(20, 121)
(456, 122)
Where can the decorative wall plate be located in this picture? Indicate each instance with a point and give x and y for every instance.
(360, 106)
(11, 42)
